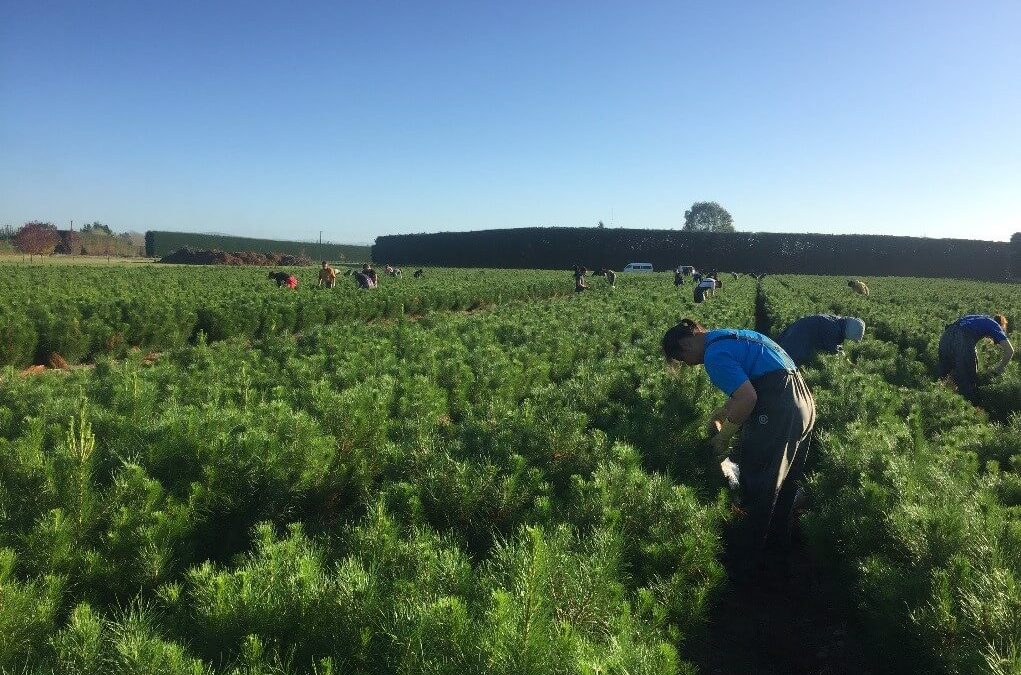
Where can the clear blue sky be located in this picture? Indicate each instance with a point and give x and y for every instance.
(368, 118)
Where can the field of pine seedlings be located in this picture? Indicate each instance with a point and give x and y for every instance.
(478, 471)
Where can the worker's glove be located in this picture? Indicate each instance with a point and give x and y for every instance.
(716, 420)
(721, 441)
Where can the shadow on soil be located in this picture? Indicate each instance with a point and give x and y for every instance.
(795, 628)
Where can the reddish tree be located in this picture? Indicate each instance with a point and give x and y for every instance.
(37, 238)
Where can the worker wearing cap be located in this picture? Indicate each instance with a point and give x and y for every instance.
(819, 333)
(774, 409)
(957, 355)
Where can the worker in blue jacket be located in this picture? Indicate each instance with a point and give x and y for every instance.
(819, 333)
(774, 409)
(957, 355)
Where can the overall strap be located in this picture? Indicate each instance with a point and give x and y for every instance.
(733, 335)
(718, 338)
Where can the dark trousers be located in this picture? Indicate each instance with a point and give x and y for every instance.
(957, 358)
(774, 445)
(700, 294)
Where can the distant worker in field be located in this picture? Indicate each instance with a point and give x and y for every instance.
(370, 273)
(716, 276)
(327, 276)
(363, 280)
(773, 408)
(579, 279)
(284, 279)
(858, 287)
(610, 275)
(958, 357)
(419, 273)
(705, 287)
(819, 333)
(678, 277)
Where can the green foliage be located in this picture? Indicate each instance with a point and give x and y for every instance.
(708, 217)
(28, 613)
(366, 482)
(423, 495)
(102, 311)
(915, 493)
(770, 252)
(1015, 255)
(160, 243)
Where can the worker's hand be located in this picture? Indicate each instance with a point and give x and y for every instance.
(716, 420)
(721, 441)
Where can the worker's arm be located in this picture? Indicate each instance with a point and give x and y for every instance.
(741, 403)
(1006, 354)
(733, 414)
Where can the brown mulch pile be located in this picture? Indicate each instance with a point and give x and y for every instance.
(195, 256)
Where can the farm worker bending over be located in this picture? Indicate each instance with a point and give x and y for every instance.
(819, 333)
(858, 287)
(363, 280)
(611, 276)
(707, 286)
(370, 273)
(284, 279)
(957, 355)
(579, 279)
(678, 277)
(327, 276)
(774, 405)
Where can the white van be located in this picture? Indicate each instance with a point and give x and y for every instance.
(638, 267)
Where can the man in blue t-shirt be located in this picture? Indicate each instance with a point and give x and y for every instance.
(770, 402)
(958, 357)
(819, 333)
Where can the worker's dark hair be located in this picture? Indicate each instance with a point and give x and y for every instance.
(672, 338)
(1000, 319)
